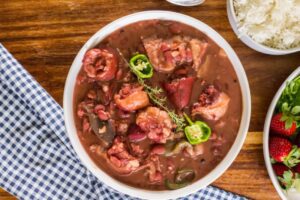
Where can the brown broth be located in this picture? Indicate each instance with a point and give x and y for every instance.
(220, 72)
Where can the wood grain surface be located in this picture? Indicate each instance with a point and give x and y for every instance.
(45, 36)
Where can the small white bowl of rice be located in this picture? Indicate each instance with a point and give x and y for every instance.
(267, 26)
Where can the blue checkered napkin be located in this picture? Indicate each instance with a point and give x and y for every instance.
(36, 158)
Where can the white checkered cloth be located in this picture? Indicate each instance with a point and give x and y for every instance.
(36, 158)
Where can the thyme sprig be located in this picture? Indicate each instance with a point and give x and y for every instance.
(154, 94)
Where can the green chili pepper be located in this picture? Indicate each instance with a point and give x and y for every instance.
(183, 178)
(141, 66)
(175, 186)
(197, 132)
(178, 148)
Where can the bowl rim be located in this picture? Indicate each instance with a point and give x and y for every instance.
(246, 39)
(69, 118)
(185, 5)
(266, 131)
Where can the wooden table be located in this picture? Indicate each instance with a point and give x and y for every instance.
(45, 36)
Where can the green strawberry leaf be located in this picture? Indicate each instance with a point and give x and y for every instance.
(285, 108)
(289, 103)
(289, 123)
(284, 117)
(287, 180)
(293, 158)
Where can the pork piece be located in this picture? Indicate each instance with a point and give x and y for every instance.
(156, 123)
(122, 127)
(154, 170)
(212, 104)
(204, 68)
(184, 147)
(131, 97)
(179, 91)
(120, 159)
(166, 55)
(138, 151)
(198, 50)
(198, 149)
(100, 64)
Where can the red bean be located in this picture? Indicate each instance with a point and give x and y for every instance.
(158, 149)
(136, 137)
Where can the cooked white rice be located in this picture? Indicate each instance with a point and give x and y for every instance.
(274, 23)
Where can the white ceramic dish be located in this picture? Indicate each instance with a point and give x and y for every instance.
(69, 118)
(266, 137)
(186, 2)
(248, 40)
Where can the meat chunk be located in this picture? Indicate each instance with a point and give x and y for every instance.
(156, 123)
(100, 64)
(166, 55)
(154, 170)
(179, 91)
(122, 127)
(120, 159)
(131, 98)
(212, 104)
(186, 148)
(198, 50)
(137, 150)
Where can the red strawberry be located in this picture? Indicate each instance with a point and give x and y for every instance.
(283, 125)
(281, 150)
(279, 169)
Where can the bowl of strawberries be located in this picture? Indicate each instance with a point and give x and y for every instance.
(282, 138)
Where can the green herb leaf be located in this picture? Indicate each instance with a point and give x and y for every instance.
(295, 110)
(290, 97)
(289, 123)
(293, 158)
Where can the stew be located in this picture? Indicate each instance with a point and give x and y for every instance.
(157, 104)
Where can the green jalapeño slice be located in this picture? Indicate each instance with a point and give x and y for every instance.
(197, 132)
(141, 66)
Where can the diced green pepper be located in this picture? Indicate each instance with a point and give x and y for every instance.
(141, 66)
(175, 186)
(178, 148)
(197, 132)
(183, 178)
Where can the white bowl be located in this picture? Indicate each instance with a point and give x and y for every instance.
(69, 118)
(246, 39)
(186, 2)
(266, 137)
